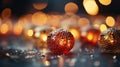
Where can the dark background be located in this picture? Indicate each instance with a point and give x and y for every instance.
(21, 7)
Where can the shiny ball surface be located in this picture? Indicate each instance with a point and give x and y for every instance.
(60, 41)
(90, 38)
(109, 40)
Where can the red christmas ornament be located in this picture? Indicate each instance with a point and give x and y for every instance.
(90, 39)
(60, 41)
(92, 36)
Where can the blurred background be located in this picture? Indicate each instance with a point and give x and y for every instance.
(25, 25)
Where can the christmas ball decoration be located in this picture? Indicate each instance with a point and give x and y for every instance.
(90, 37)
(60, 41)
(110, 40)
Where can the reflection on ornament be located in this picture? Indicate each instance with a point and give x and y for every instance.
(60, 41)
(109, 40)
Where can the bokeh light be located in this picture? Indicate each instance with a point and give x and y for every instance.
(43, 37)
(75, 33)
(71, 7)
(26, 24)
(9, 24)
(47, 63)
(30, 32)
(91, 7)
(22, 21)
(98, 20)
(37, 34)
(6, 13)
(90, 36)
(39, 18)
(97, 63)
(110, 21)
(28, 17)
(40, 4)
(4, 28)
(82, 22)
(103, 27)
(54, 20)
(69, 21)
(105, 2)
(17, 29)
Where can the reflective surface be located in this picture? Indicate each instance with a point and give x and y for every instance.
(15, 56)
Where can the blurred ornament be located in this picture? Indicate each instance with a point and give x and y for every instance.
(109, 40)
(89, 38)
(60, 41)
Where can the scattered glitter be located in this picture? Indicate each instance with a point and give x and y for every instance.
(7, 54)
(96, 63)
(114, 57)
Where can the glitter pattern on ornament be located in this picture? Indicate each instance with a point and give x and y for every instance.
(110, 40)
(60, 41)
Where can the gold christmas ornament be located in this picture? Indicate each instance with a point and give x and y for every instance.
(109, 41)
